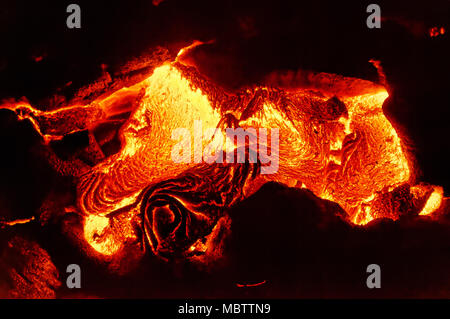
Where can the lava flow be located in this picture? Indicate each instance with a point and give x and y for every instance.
(333, 140)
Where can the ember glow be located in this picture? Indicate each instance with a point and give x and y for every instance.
(435, 31)
(335, 142)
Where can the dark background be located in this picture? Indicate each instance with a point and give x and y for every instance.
(252, 39)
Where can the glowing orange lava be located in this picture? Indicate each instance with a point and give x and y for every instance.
(334, 141)
(433, 202)
(436, 31)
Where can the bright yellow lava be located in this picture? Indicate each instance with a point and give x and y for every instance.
(94, 232)
(433, 202)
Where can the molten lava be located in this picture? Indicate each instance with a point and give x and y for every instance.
(334, 140)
